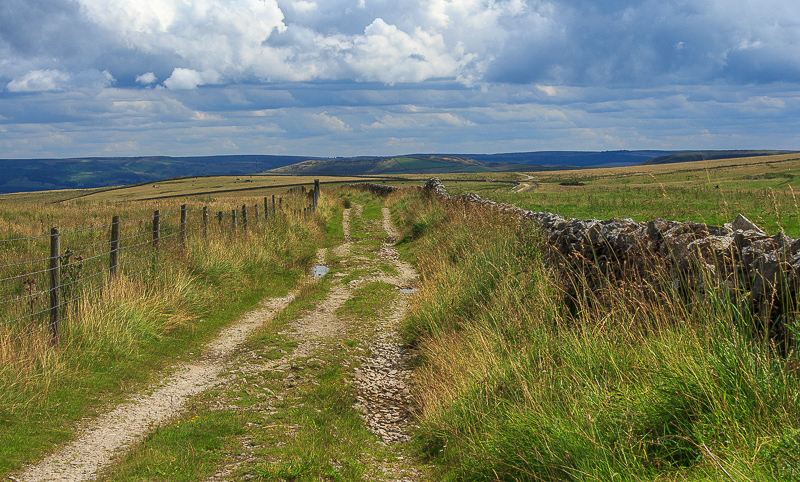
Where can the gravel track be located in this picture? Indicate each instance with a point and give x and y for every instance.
(381, 382)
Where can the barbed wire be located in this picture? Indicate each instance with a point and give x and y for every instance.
(32, 273)
(27, 238)
(24, 262)
(90, 287)
(30, 315)
(26, 296)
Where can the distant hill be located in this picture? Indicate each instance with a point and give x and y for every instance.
(414, 164)
(20, 175)
(439, 163)
(17, 175)
(691, 156)
(572, 158)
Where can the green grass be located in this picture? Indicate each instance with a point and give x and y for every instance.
(413, 163)
(713, 192)
(117, 340)
(369, 301)
(295, 423)
(190, 448)
(633, 385)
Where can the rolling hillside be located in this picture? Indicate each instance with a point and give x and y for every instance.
(415, 164)
(693, 156)
(21, 175)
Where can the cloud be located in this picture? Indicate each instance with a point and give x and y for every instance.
(469, 75)
(182, 79)
(330, 122)
(146, 78)
(401, 121)
(38, 81)
(55, 80)
(303, 6)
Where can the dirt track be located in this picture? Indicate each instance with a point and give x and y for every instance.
(383, 395)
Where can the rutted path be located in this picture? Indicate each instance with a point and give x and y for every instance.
(124, 426)
(382, 398)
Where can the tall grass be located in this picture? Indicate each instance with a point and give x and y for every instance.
(116, 338)
(520, 381)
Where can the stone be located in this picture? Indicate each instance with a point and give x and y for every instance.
(741, 223)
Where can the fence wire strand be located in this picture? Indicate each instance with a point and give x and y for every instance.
(90, 287)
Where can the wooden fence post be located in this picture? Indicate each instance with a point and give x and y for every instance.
(219, 219)
(266, 208)
(55, 284)
(205, 223)
(183, 226)
(316, 194)
(244, 216)
(113, 257)
(274, 208)
(156, 228)
(255, 213)
(233, 219)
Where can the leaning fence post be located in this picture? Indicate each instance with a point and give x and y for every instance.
(219, 219)
(316, 194)
(183, 226)
(205, 223)
(55, 284)
(113, 258)
(244, 216)
(156, 227)
(274, 208)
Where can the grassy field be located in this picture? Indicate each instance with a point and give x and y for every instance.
(765, 189)
(200, 189)
(515, 379)
(520, 381)
(116, 336)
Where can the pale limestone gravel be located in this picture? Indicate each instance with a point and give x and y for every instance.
(383, 398)
(391, 231)
(124, 426)
(344, 249)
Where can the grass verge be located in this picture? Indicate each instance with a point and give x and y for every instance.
(115, 340)
(512, 385)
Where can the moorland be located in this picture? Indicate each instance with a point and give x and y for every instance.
(513, 377)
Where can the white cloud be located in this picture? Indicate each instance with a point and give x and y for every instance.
(146, 78)
(56, 80)
(387, 54)
(184, 79)
(330, 122)
(548, 89)
(303, 6)
(221, 35)
(419, 120)
(39, 81)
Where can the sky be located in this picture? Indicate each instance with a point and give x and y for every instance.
(83, 78)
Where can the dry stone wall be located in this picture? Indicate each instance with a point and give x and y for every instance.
(377, 189)
(739, 256)
(762, 270)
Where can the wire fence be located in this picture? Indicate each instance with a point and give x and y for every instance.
(37, 291)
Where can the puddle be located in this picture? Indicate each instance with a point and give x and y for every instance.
(319, 271)
(408, 291)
